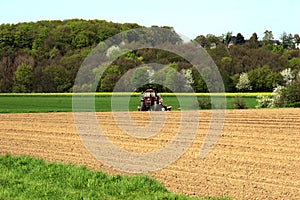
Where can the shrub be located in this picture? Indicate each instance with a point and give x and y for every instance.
(244, 83)
(278, 97)
(281, 97)
(239, 103)
(293, 105)
(288, 76)
(291, 94)
(204, 103)
(264, 102)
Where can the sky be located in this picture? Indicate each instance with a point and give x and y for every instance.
(188, 17)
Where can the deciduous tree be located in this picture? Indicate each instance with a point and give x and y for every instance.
(253, 41)
(244, 83)
(240, 39)
(55, 79)
(268, 37)
(111, 77)
(141, 77)
(23, 79)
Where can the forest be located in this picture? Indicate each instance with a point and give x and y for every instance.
(45, 56)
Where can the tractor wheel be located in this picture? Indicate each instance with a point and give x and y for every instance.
(144, 108)
(158, 107)
(154, 107)
(161, 107)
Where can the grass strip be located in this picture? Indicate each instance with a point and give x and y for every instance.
(23, 177)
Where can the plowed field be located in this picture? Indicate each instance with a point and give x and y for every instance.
(257, 155)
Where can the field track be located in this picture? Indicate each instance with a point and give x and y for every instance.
(256, 157)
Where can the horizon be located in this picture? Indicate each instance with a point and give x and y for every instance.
(185, 37)
(220, 17)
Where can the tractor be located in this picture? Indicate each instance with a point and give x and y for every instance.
(151, 100)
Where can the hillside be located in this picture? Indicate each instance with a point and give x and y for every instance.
(45, 56)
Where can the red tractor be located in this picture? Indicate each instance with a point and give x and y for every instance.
(151, 100)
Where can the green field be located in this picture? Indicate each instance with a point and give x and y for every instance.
(23, 177)
(62, 102)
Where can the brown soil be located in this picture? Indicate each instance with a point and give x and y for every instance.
(256, 157)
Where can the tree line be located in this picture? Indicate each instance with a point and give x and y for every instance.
(45, 56)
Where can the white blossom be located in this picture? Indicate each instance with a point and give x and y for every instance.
(150, 73)
(288, 76)
(189, 80)
(111, 50)
(265, 102)
(244, 82)
(277, 95)
(275, 100)
(188, 76)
